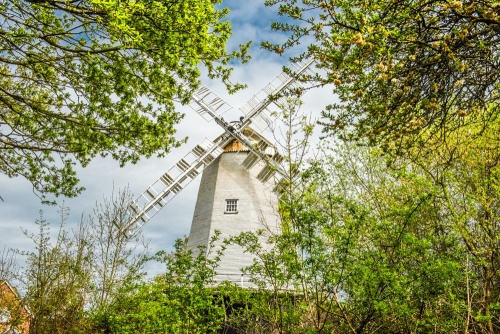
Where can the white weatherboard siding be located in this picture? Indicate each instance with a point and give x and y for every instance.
(226, 179)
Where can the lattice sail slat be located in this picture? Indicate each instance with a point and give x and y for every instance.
(206, 103)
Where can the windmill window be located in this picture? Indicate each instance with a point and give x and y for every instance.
(231, 206)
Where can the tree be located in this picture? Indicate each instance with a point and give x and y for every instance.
(401, 260)
(72, 280)
(420, 80)
(57, 277)
(91, 77)
(399, 67)
(465, 171)
(374, 253)
(117, 256)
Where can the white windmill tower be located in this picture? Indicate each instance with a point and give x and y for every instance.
(238, 167)
(233, 198)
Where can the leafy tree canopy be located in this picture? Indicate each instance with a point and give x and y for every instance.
(400, 67)
(89, 77)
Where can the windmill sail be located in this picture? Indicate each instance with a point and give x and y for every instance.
(210, 106)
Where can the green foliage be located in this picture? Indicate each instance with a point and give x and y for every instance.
(182, 300)
(399, 67)
(263, 310)
(88, 78)
(276, 304)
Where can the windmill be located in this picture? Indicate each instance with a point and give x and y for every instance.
(239, 151)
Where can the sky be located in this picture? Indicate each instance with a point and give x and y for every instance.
(21, 207)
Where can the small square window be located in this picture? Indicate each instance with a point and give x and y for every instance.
(231, 206)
